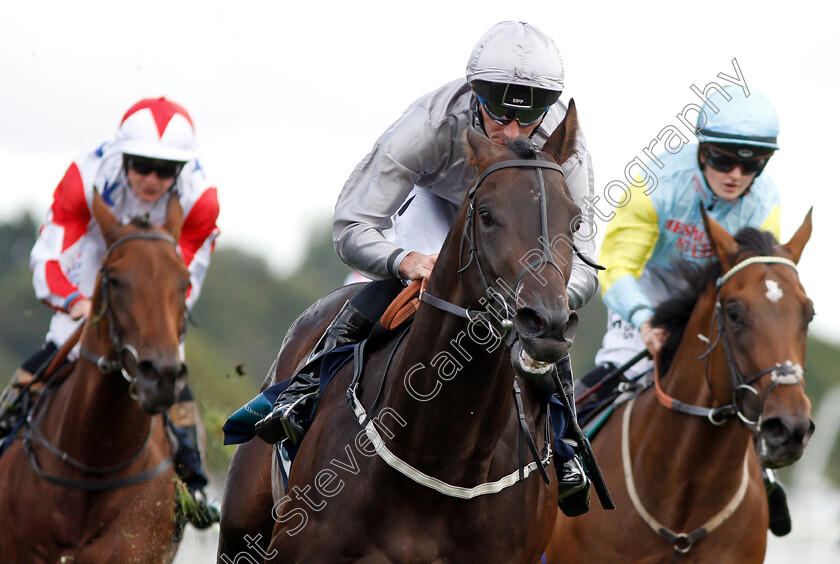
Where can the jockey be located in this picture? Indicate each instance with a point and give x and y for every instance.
(417, 170)
(652, 234)
(152, 155)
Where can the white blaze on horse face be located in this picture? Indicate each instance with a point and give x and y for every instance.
(774, 293)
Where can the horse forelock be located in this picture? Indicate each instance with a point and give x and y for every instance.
(522, 148)
(752, 242)
(674, 313)
(141, 221)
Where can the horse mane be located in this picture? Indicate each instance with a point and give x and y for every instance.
(673, 314)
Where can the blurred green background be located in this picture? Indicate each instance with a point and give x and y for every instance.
(244, 312)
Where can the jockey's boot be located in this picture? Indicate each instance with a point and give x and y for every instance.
(780, 523)
(289, 417)
(572, 483)
(10, 408)
(183, 417)
(572, 488)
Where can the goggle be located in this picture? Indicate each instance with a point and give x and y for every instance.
(163, 168)
(503, 115)
(724, 161)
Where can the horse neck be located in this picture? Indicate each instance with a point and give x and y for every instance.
(97, 410)
(676, 435)
(454, 391)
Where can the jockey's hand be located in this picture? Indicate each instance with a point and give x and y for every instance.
(416, 266)
(654, 337)
(81, 309)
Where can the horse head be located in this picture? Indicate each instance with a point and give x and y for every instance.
(518, 234)
(762, 316)
(139, 305)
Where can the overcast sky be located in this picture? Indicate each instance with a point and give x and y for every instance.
(287, 97)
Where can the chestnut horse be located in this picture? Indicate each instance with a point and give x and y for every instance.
(425, 464)
(92, 480)
(686, 449)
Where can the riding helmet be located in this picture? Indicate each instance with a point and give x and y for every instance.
(157, 128)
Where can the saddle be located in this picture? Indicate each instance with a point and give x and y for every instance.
(239, 427)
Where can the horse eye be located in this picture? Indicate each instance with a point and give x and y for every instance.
(486, 218)
(733, 314)
(576, 225)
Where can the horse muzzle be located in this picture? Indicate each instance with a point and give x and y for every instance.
(545, 335)
(157, 385)
(782, 440)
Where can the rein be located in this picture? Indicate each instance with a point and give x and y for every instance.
(781, 374)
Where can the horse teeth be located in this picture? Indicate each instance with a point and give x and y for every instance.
(531, 365)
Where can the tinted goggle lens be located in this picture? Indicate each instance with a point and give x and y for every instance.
(163, 168)
(726, 162)
(504, 115)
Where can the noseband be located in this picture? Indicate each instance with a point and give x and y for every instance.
(111, 365)
(504, 315)
(781, 374)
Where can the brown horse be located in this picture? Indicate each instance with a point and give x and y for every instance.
(408, 483)
(92, 479)
(736, 352)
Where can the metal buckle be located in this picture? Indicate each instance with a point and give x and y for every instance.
(738, 405)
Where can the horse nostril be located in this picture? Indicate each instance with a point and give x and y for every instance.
(778, 430)
(528, 323)
(774, 431)
(570, 329)
(146, 368)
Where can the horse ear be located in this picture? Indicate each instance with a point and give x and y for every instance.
(104, 217)
(561, 144)
(722, 242)
(174, 216)
(481, 152)
(800, 238)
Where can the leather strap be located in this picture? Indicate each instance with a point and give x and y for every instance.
(60, 357)
(403, 306)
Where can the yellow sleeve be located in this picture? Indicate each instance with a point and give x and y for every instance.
(773, 223)
(629, 240)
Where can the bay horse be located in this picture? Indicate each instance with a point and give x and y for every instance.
(401, 474)
(92, 481)
(680, 457)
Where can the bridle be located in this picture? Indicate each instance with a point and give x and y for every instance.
(106, 364)
(499, 322)
(781, 374)
(502, 315)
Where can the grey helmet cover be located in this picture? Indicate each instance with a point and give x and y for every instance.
(516, 53)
